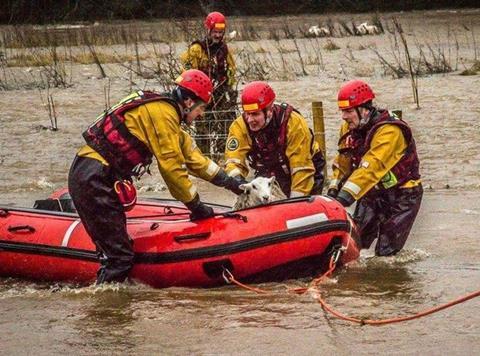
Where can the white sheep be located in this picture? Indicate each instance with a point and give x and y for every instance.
(232, 35)
(316, 31)
(365, 29)
(259, 191)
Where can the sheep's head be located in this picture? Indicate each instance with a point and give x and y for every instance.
(259, 190)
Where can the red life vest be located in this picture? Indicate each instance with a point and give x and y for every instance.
(267, 154)
(358, 142)
(217, 61)
(110, 137)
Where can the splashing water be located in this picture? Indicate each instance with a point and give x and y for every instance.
(43, 183)
(403, 257)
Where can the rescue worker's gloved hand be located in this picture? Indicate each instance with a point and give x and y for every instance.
(222, 179)
(233, 184)
(332, 193)
(345, 198)
(199, 210)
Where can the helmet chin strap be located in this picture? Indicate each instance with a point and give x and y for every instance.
(185, 110)
(364, 120)
(267, 119)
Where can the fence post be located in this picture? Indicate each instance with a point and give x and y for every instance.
(319, 130)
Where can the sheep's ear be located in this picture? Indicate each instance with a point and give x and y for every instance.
(244, 187)
(272, 179)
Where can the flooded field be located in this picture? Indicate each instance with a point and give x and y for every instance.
(439, 263)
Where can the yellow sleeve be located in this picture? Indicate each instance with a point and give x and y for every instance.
(386, 148)
(194, 58)
(87, 151)
(197, 164)
(237, 147)
(341, 166)
(231, 69)
(299, 155)
(157, 125)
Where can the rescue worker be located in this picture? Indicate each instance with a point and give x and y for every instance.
(377, 166)
(213, 57)
(121, 145)
(274, 140)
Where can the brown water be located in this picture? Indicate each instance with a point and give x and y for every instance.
(439, 263)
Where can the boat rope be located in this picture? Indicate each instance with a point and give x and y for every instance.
(418, 315)
(314, 285)
(227, 214)
(229, 278)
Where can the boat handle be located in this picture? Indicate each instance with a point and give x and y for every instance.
(21, 228)
(199, 236)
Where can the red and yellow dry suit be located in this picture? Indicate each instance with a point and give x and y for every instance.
(128, 139)
(157, 125)
(215, 60)
(290, 152)
(378, 167)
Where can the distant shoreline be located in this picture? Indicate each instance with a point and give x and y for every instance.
(45, 12)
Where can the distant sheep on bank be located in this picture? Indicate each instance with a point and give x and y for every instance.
(259, 191)
(316, 31)
(232, 35)
(365, 29)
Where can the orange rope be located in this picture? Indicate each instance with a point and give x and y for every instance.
(326, 307)
(315, 282)
(240, 284)
(231, 279)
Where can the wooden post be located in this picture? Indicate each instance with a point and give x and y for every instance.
(319, 130)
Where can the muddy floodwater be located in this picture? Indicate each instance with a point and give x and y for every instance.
(439, 263)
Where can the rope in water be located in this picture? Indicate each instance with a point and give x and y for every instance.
(228, 276)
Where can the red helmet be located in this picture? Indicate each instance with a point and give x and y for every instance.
(354, 93)
(215, 21)
(257, 96)
(197, 82)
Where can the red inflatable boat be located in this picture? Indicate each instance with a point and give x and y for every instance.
(286, 239)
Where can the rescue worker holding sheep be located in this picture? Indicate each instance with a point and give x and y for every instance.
(121, 145)
(274, 140)
(378, 167)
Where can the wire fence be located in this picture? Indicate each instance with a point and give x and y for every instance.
(211, 132)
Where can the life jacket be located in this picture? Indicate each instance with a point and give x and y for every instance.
(357, 143)
(110, 137)
(267, 156)
(217, 61)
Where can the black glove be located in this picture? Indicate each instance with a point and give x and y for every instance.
(332, 193)
(233, 184)
(222, 179)
(345, 198)
(199, 210)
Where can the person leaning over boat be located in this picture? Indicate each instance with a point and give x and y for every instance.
(121, 145)
(378, 167)
(213, 57)
(275, 141)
